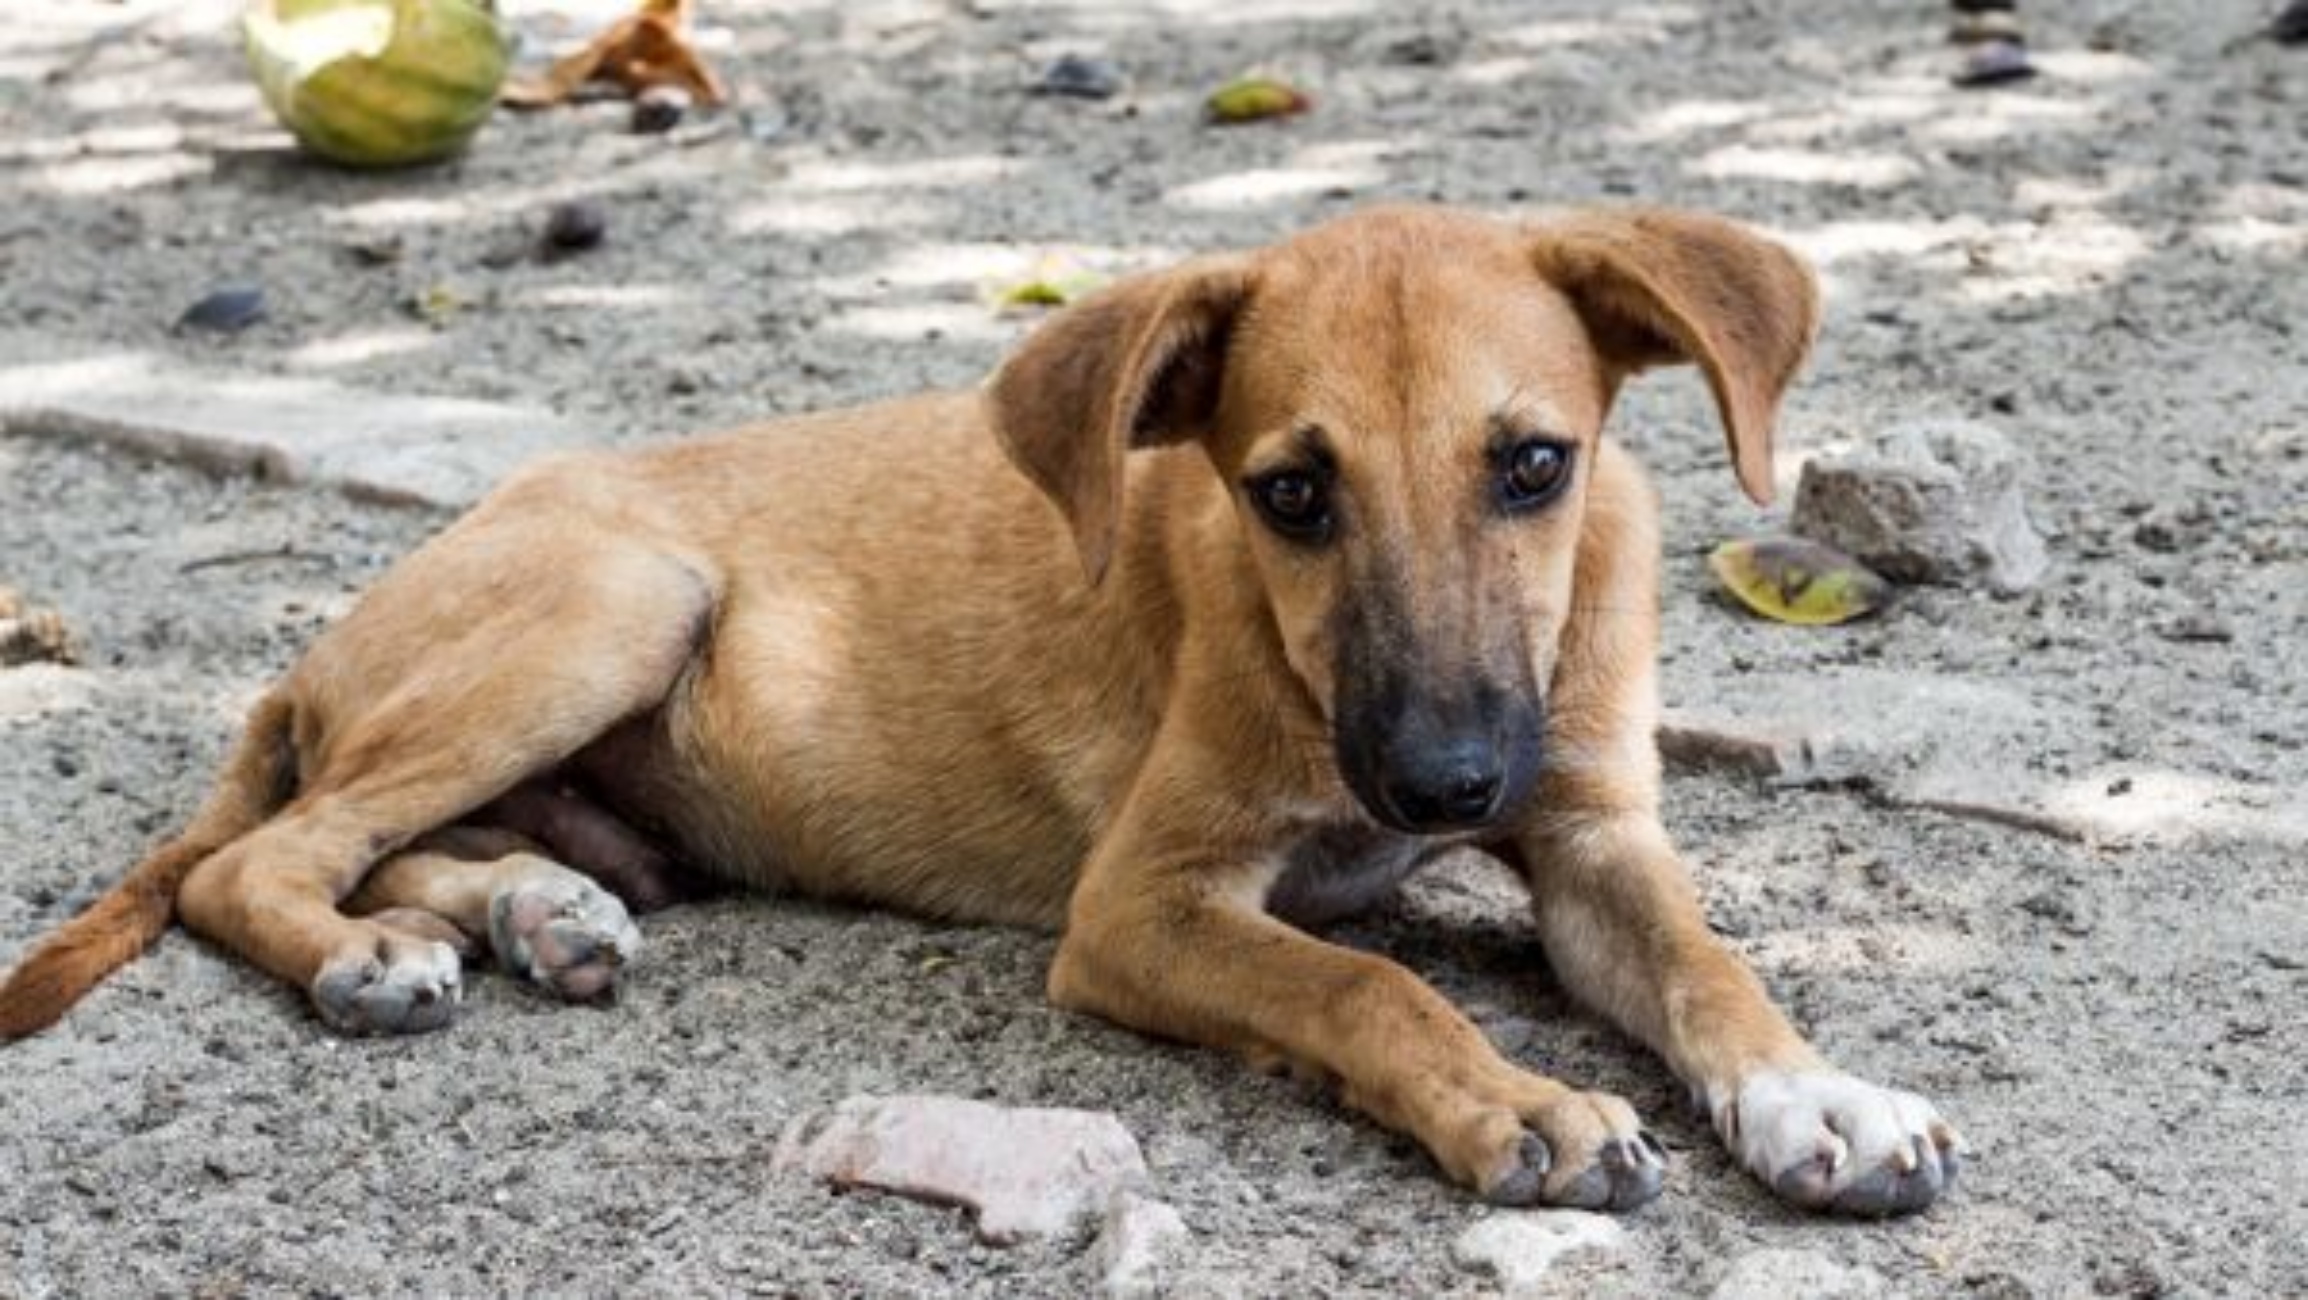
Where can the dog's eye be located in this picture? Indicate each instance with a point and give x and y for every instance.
(1294, 504)
(1536, 473)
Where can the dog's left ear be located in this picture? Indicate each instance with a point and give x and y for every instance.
(1657, 287)
(1138, 364)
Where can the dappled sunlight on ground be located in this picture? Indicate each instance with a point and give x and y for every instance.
(2127, 803)
(354, 347)
(1806, 167)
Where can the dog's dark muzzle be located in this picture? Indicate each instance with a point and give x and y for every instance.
(1427, 772)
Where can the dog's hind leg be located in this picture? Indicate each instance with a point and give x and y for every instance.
(483, 661)
(569, 827)
(544, 921)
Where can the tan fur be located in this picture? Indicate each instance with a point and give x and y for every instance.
(856, 655)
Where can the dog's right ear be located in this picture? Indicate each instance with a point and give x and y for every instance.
(1658, 286)
(1138, 364)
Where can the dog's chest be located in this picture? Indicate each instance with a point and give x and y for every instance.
(1339, 870)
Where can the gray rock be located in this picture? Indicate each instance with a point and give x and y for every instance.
(1138, 1246)
(1520, 1248)
(1795, 1275)
(1079, 76)
(1026, 1173)
(1936, 501)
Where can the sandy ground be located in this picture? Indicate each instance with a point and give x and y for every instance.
(2107, 263)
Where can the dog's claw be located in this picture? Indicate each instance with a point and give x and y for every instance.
(1522, 1184)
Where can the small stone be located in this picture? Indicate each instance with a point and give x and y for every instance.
(377, 250)
(225, 310)
(1935, 501)
(2291, 26)
(659, 109)
(1078, 76)
(29, 635)
(1521, 1248)
(575, 226)
(1026, 1173)
(1138, 1246)
(1995, 62)
(1417, 50)
(2197, 628)
(1778, 1274)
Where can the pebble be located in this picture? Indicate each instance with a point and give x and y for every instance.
(1025, 1172)
(1933, 501)
(1522, 1247)
(659, 109)
(575, 226)
(1078, 76)
(1994, 63)
(32, 635)
(2197, 627)
(377, 250)
(2291, 26)
(228, 309)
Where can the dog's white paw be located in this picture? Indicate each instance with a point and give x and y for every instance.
(403, 985)
(1827, 1141)
(563, 931)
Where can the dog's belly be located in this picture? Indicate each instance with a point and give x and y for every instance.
(779, 767)
(1340, 870)
(787, 818)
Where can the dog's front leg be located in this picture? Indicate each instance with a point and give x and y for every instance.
(1623, 928)
(1624, 932)
(1175, 946)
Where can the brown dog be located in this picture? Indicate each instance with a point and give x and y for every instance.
(1341, 574)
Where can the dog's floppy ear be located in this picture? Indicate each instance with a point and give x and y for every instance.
(1136, 365)
(1657, 287)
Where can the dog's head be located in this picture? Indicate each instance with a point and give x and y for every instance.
(1405, 404)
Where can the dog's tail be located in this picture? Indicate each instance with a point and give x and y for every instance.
(258, 778)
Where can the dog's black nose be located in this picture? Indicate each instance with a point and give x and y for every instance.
(1449, 787)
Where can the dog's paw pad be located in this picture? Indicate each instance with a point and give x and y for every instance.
(1621, 1174)
(564, 932)
(1526, 1176)
(401, 985)
(1828, 1141)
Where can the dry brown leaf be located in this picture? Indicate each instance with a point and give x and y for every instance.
(645, 49)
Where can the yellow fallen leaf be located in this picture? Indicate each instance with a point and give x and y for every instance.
(1055, 281)
(1255, 99)
(1792, 580)
(436, 304)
